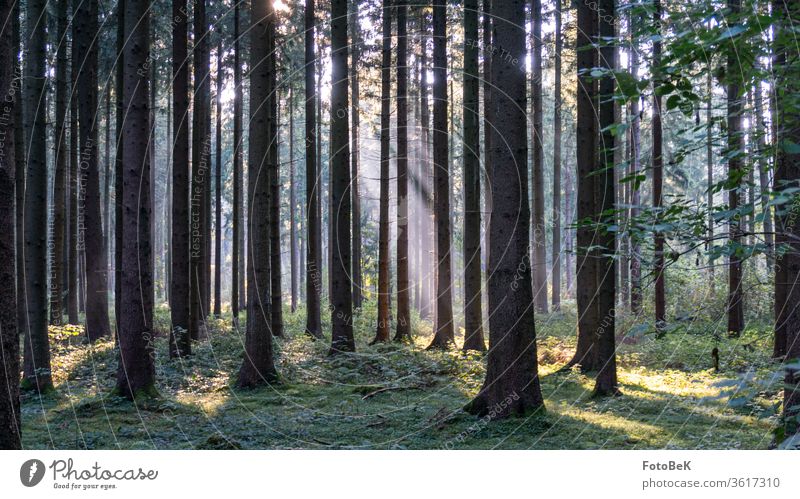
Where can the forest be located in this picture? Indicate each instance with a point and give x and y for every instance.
(399, 224)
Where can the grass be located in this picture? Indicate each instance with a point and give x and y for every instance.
(402, 396)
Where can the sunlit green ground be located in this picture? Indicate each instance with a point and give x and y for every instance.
(670, 396)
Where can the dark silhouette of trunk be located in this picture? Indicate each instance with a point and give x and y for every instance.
(636, 262)
(218, 193)
(473, 320)
(511, 386)
(118, 170)
(427, 177)
(201, 149)
(538, 227)
(314, 247)
(557, 163)
(275, 205)
(384, 298)
(355, 149)
(136, 372)
(258, 366)
(236, 236)
(107, 174)
(763, 170)
(36, 365)
(342, 291)
(97, 323)
(72, 254)
(10, 422)
(588, 175)
(710, 176)
(658, 179)
(59, 231)
(179, 339)
(443, 336)
(20, 173)
(735, 148)
(403, 332)
(487, 135)
(787, 162)
(605, 202)
(292, 204)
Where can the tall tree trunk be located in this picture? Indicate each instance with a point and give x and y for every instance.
(97, 324)
(487, 135)
(136, 372)
(587, 176)
(118, 167)
(763, 170)
(444, 335)
(384, 298)
(275, 202)
(258, 366)
(735, 149)
(710, 176)
(355, 149)
(427, 176)
(36, 365)
(658, 179)
(512, 385)
(557, 163)
(10, 422)
(72, 255)
(179, 339)
(218, 192)
(201, 149)
(342, 297)
(292, 204)
(403, 332)
(605, 202)
(636, 261)
(314, 249)
(473, 318)
(538, 227)
(61, 173)
(237, 250)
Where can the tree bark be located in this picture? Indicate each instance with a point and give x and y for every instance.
(218, 192)
(355, 149)
(538, 227)
(658, 179)
(61, 173)
(512, 385)
(136, 372)
(636, 265)
(236, 236)
(556, 300)
(292, 205)
(444, 335)
(403, 332)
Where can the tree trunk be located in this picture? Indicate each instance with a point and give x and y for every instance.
(538, 227)
(314, 251)
(403, 332)
(342, 297)
(658, 180)
(710, 177)
(355, 149)
(427, 176)
(511, 386)
(384, 298)
(444, 335)
(97, 324)
(763, 170)
(557, 163)
(636, 265)
(218, 192)
(118, 167)
(10, 422)
(136, 372)
(61, 173)
(735, 148)
(473, 318)
(180, 340)
(258, 366)
(292, 204)
(236, 260)
(36, 365)
(274, 173)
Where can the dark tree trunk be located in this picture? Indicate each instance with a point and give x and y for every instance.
(314, 249)
(557, 163)
(20, 173)
(763, 170)
(218, 193)
(10, 422)
(658, 180)
(443, 336)
(136, 372)
(36, 365)
(258, 366)
(636, 265)
(735, 148)
(355, 148)
(403, 332)
(342, 297)
(118, 167)
(487, 135)
(587, 176)
(62, 172)
(605, 202)
(292, 204)
(201, 183)
(179, 340)
(511, 386)
(710, 176)
(275, 204)
(538, 226)
(97, 324)
(236, 252)
(384, 298)
(473, 320)
(427, 177)
(72, 255)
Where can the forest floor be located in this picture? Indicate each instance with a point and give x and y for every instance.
(403, 396)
